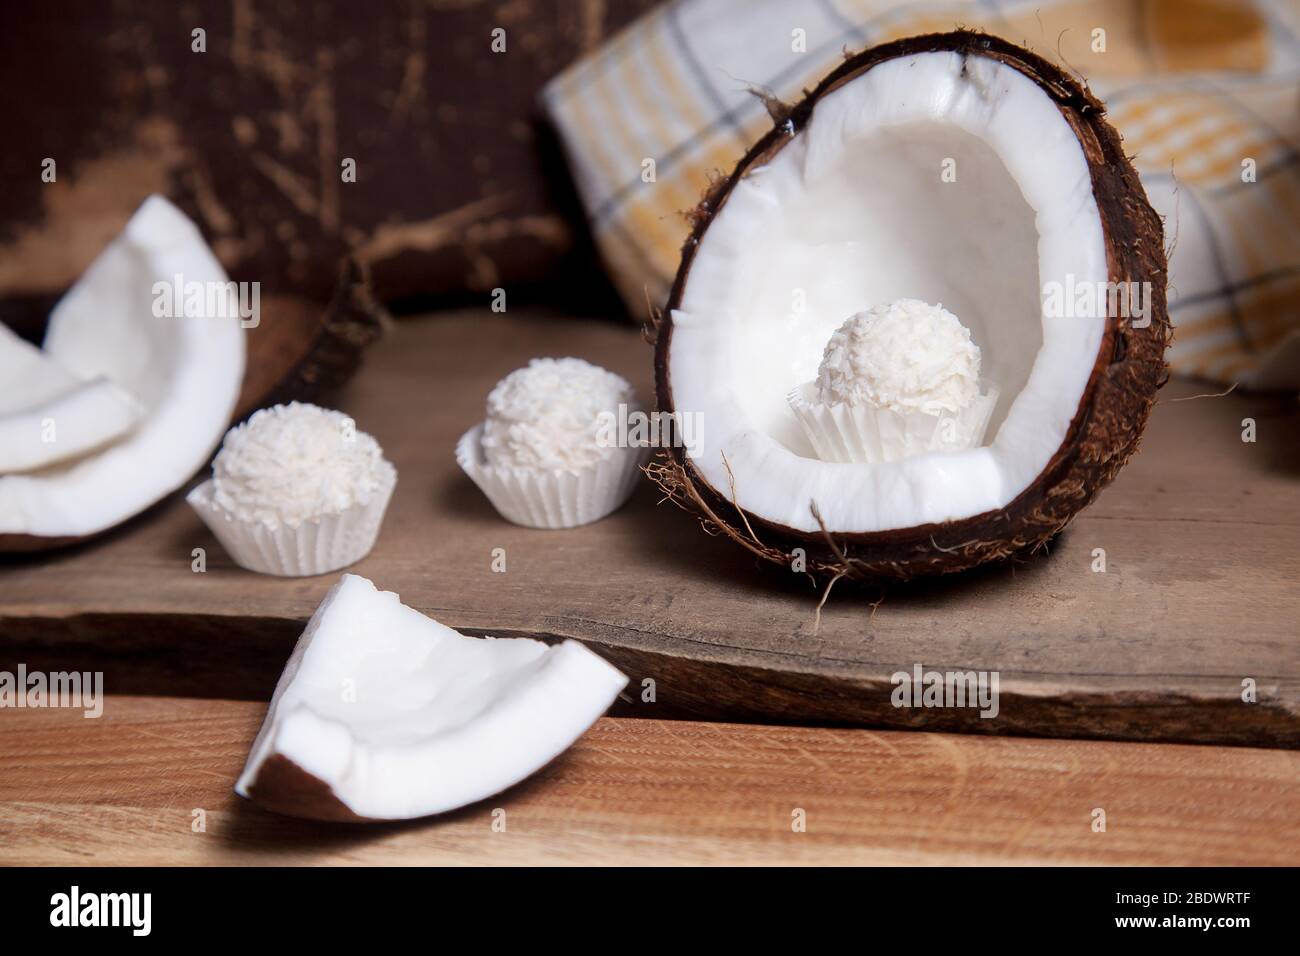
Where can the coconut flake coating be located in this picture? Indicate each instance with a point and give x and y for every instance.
(291, 463)
(548, 415)
(905, 356)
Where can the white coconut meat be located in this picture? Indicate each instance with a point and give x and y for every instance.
(403, 717)
(184, 371)
(47, 414)
(854, 212)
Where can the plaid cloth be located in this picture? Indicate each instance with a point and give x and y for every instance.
(1197, 87)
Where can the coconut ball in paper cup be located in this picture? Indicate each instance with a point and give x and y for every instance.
(295, 491)
(549, 453)
(897, 380)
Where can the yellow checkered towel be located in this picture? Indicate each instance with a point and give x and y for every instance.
(1205, 92)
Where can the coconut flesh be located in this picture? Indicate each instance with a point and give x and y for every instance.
(138, 400)
(846, 208)
(47, 414)
(385, 714)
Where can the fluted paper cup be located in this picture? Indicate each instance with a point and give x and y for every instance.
(316, 546)
(866, 434)
(552, 498)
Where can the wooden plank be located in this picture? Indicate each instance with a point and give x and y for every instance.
(1200, 534)
(122, 789)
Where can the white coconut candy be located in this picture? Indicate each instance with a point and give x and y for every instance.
(897, 380)
(548, 454)
(296, 490)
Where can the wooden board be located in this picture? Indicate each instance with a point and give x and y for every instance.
(123, 790)
(1200, 535)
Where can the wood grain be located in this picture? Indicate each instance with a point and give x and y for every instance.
(1200, 534)
(122, 789)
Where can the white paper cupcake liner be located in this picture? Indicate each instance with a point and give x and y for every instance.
(862, 433)
(314, 547)
(555, 498)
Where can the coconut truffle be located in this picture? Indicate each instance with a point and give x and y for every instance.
(547, 416)
(904, 356)
(293, 463)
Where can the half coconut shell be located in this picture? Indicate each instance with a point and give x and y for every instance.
(1105, 431)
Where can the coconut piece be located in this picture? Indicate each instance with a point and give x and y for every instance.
(48, 414)
(384, 714)
(955, 168)
(185, 371)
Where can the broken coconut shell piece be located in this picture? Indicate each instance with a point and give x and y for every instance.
(385, 714)
(954, 168)
(184, 371)
(137, 400)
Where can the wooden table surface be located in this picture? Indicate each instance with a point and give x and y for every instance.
(1200, 533)
(124, 788)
